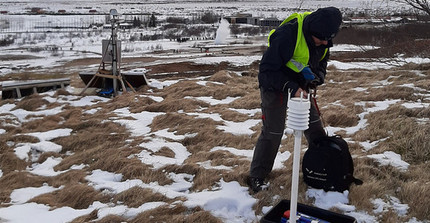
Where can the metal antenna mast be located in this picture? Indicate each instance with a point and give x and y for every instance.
(115, 73)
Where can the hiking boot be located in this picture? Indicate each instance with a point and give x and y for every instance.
(256, 184)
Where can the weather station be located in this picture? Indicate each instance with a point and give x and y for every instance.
(109, 77)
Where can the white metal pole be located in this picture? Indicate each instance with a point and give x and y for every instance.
(297, 120)
(295, 177)
(114, 57)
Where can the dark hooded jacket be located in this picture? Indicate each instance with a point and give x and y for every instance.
(274, 75)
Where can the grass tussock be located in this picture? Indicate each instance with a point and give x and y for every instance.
(31, 103)
(204, 141)
(140, 104)
(163, 214)
(340, 117)
(203, 178)
(89, 217)
(181, 123)
(71, 116)
(69, 178)
(44, 123)
(61, 92)
(76, 196)
(10, 162)
(44, 156)
(227, 114)
(13, 138)
(126, 100)
(390, 93)
(183, 89)
(202, 216)
(166, 152)
(226, 158)
(222, 76)
(91, 134)
(112, 219)
(7, 101)
(169, 105)
(136, 196)
(18, 179)
(145, 173)
(206, 179)
(189, 168)
(249, 101)
(176, 213)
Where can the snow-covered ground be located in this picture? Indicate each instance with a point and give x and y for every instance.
(175, 7)
(230, 201)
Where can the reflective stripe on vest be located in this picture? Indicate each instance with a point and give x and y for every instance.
(300, 57)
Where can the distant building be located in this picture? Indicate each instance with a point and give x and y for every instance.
(37, 10)
(253, 21)
(239, 18)
(270, 22)
(61, 11)
(125, 25)
(246, 18)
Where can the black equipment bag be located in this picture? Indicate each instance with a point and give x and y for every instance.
(328, 165)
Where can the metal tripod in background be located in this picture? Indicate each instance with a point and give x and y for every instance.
(114, 73)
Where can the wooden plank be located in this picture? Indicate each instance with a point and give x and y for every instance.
(136, 79)
(20, 89)
(35, 83)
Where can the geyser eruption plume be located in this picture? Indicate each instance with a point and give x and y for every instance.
(222, 32)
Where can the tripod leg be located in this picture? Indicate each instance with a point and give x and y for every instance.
(89, 83)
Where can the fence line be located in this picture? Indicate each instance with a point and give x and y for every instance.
(55, 23)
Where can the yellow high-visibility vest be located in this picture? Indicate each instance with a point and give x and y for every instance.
(300, 57)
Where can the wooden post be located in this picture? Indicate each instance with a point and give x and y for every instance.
(18, 92)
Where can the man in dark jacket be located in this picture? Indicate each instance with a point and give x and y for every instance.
(295, 61)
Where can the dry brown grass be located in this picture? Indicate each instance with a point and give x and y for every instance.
(416, 191)
(112, 219)
(340, 117)
(10, 162)
(398, 125)
(70, 177)
(407, 137)
(42, 124)
(249, 101)
(176, 104)
(391, 92)
(31, 103)
(17, 179)
(182, 123)
(178, 213)
(90, 217)
(77, 196)
(136, 196)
